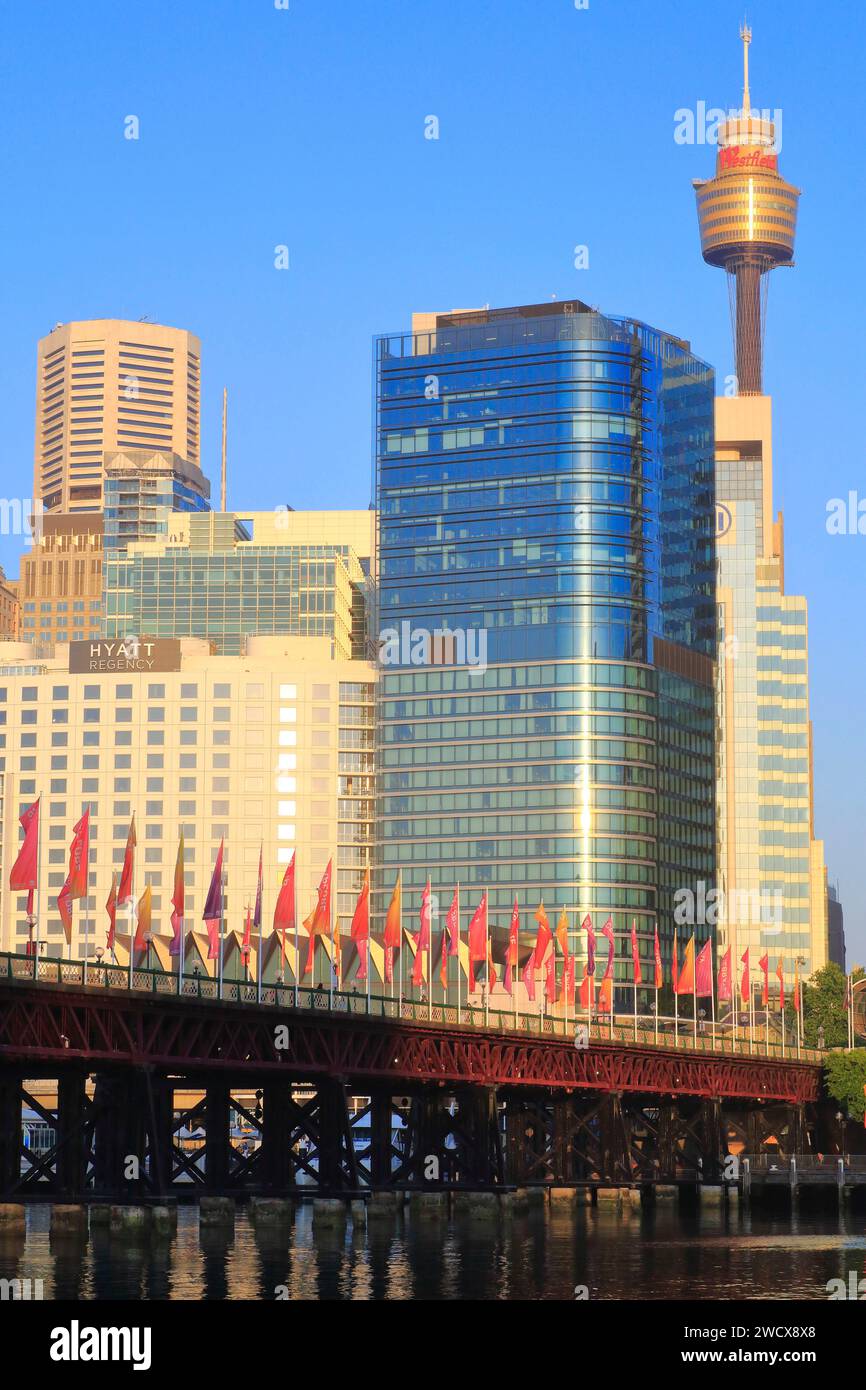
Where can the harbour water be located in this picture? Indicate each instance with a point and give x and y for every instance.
(547, 1253)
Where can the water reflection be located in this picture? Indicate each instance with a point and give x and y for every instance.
(545, 1253)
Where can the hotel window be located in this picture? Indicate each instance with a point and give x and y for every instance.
(188, 737)
(123, 692)
(90, 786)
(222, 714)
(187, 784)
(156, 692)
(90, 762)
(219, 808)
(123, 714)
(186, 808)
(27, 765)
(60, 692)
(188, 714)
(90, 740)
(219, 784)
(59, 762)
(58, 785)
(222, 736)
(189, 692)
(153, 808)
(92, 692)
(156, 760)
(188, 760)
(156, 714)
(28, 716)
(220, 760)
(155, 784)
(122, 784)
(222, 692)
(121, 808)
(155, 738)
(153, 832)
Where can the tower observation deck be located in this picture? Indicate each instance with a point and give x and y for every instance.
(748, 217)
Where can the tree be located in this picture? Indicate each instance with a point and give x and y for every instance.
(846, 1079)
(824, 1006)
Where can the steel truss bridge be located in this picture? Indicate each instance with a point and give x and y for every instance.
(299, 1092)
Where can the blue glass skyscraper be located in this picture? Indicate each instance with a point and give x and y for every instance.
(546, 612)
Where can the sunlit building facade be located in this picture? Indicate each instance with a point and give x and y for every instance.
(544, 493)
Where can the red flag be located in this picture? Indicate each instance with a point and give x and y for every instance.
(360, 929)
(550, 979)
(25, 870)
(780, 976)
(76, 879)
(452, 924)
(511, 952)
(745, 982)
(318, 923)
(363, 945)
(213, 937)
(657, 959)
(477, 939)
(422, 941)
(704, 972)
(248, 931)
(284, 910)
(562, 932)
(544, 937)
(764, 966)
(528, 977)
(635, 956)
(586, 926)
(607, 933)
(177, 902)
(492, 976)
(111, 909)
(725, 980)
(124, 892)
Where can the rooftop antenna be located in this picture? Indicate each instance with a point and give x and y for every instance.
(746, 36)
(223, 472)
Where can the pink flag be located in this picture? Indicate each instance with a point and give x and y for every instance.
(422, 941)
(607, 933)
(635, 955)
(725, 982)
(704, 972)
(528, 977)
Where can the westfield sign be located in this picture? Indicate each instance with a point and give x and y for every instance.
(744, 157)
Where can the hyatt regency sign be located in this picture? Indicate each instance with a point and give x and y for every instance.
(122, 655)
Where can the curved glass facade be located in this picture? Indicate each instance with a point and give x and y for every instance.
(544, 484)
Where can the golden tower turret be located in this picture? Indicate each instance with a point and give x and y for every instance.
(748, 218)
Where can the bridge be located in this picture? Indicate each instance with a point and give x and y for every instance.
(174, 1088)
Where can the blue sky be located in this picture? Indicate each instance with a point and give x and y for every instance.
(305, 127)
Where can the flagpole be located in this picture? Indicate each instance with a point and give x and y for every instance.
(220, 952)
(430, 960)
(458, 951)
(38, 899)
(333, 942)
(131, 909)
(656, 1011)
(261, 885)
(751, 1007)
(86, 905)
(295, 914)
(400, 962)
(487, 961)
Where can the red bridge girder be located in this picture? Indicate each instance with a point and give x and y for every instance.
(128, 1030)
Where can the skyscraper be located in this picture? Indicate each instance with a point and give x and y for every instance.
(546, 615)
(110, 384)
(771, 867)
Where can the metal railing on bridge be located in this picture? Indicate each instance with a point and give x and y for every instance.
(644, 1031)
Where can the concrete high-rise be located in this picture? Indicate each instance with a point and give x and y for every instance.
(771, 866)
(107, 385)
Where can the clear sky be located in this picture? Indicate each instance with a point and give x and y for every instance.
(305, 127)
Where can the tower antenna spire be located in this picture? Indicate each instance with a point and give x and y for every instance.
(746, 36)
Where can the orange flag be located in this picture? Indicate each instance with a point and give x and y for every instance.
(764, 967)
(111, 909)
(545, 936)
(124, 892)
(142, 929)
(361, 917)
(562, 932)
(657, 956)
(318, 923)
(177, 902)
(284, 909)
(780, 976)
(393, 928)
(686, 983)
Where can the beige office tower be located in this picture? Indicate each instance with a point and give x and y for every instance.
(60, 584)
(109, 384)
(267, 750)
(771, 867)
(9, 609)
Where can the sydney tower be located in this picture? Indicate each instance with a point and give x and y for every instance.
(748, 219)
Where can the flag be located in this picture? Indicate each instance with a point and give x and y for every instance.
(245, 944)
(544, 937)
(257, 910)
(635, 955)
(76, 879)
(492, 976)
(477, 939)
(764, 966)
(360, 929)
(124, 892)
(566, 988)
(177, 901)
(284, 910)
(443, 959)
(393, 928)
(657, 959)
(337, 962)
(550, 979)
(111, 909)
(528, 977)
(725, 990)
(363, 945)
(422, 941)
(686, 984)
(607, 933)
(586, 990)
(213, 908)
(586, 926)
(780, 976)
(25, 870)
(318, 923)
(452, 924)
(142, 917)
(605, 994)
(562, 932)
(704, 972)
(745, 982)
(511, 952)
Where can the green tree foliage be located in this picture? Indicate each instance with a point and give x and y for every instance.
(846, 1077)
(824, 1007)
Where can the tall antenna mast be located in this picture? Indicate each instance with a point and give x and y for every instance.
(223, 473)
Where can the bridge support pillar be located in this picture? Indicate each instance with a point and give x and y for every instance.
(338, 1170)
(276, 1163)
(217, 1167)
(381, 1106)
(132, 1129)
(713, 1140)
(10, 1131)
(481, 1157)
(72, 1149)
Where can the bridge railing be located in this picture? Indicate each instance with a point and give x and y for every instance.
(643, 1031)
